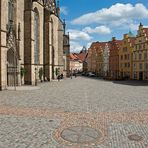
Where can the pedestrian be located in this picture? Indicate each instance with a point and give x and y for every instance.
(61, 76)
(75, 75)
(58, 77)
(71, 75)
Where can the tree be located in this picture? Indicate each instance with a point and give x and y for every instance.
(40, 73)
(57, 71)
(23, 71)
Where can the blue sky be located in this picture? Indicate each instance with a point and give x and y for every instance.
(95, 20)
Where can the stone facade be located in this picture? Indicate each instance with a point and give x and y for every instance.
(126, 57)
(140, 54)
(66, 58)
(31, 42)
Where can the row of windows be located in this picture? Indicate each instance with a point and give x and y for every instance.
(141, 46)
(141, 66)
(135, 75)
(125, 57)
(140, 56)
(125, 65)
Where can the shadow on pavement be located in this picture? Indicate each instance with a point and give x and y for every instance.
(132, 82)
(122, 82)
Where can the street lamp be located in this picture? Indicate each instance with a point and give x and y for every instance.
(35, 76)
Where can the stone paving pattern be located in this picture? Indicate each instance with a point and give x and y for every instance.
(37, 118)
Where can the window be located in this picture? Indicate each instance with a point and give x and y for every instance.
(139, 46)
(146, 75)
(128, 56)
(140, 56)
(124, 49)
(128, 64)
(145, 56)
(134, 65)
(134, 56)
(121, 57)
(11, 10)
(144, 46)
(140, 66)
(135, 75)
(146, 66)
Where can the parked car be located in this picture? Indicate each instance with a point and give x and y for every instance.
(83, 74)
(90, 74)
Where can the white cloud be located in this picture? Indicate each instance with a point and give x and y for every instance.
(98, 30)
(75, 46)
(118, 13)
(133, 27)
(64, 10)
(79, 35)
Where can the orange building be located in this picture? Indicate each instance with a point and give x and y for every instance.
(92, 57)
(115, 45)
(77, 60)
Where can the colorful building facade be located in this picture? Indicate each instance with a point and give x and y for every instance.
(93, 57)
(140, 54)
(115, 46)
(126, 56)
(106, 53)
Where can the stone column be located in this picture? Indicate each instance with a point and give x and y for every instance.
(3, 46)
(28, 45)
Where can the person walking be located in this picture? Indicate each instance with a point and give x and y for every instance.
(75, 74)
(58, 78)
(71, 75)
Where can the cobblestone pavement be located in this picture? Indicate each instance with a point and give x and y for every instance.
(77, 113)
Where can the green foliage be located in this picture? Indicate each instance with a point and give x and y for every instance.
(23, 71)
(40, 73)
(57, 71)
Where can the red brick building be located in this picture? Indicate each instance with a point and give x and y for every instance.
(115, 46)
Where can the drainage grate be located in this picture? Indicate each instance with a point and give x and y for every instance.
(81, 134)
(135, 137)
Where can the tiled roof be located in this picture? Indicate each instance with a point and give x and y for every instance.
(82, 56)
(73, 56)
(78, 56)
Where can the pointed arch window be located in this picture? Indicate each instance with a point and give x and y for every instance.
(11, 5)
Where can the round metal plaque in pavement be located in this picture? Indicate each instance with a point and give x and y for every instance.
(135, 137)
(81, 134)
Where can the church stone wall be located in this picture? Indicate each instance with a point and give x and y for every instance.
(3, 46)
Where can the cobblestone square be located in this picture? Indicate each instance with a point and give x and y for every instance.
(76, 113)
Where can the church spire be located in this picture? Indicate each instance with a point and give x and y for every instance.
(64, 26)
(58, 8)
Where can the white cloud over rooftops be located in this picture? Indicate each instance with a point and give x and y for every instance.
(79, 35)
(116, 13)
(98, 30)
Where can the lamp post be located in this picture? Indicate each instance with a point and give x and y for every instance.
(35, 76)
